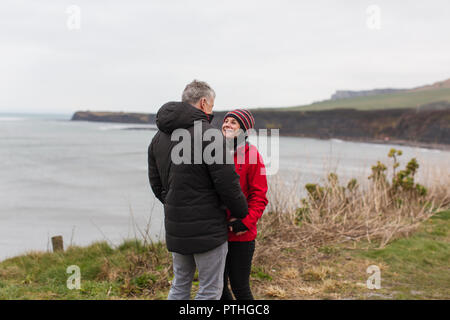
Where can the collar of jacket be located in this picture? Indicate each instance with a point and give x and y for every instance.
(209, 117)
(241, 148)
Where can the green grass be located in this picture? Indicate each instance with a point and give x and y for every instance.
(398, 100)
(258, 273)
(128, 271)
(418, 267)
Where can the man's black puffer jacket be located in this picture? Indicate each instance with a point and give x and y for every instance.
(195, 196)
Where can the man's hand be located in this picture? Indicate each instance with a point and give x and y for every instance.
(230, 226)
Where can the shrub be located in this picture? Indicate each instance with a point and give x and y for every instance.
(391, 204)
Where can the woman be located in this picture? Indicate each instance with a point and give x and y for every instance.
(242, 233)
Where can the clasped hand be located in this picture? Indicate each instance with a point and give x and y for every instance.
(231, 227)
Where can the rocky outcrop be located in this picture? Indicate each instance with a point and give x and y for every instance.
(436, 85)
(122, 117)
(345, 94)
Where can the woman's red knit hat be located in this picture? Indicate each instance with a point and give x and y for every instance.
(244, 117)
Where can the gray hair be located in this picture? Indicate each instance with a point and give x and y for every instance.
(196, 90)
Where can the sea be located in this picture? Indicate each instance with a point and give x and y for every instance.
(87, 181)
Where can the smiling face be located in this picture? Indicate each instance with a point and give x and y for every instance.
(230, 127)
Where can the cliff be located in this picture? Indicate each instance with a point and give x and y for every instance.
(429, 124)
(122, 117)
(345, 94)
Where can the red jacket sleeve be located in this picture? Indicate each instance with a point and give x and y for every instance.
(257, 187)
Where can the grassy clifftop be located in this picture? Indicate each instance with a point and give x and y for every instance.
(399, 100)
(411, 268)
(428, 125)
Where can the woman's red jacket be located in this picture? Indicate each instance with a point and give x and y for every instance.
(250, 167)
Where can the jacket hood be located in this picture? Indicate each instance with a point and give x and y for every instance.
(179, 115)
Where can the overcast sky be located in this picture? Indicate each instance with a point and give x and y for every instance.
(137, 55)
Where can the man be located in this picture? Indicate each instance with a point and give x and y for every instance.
(195, 196)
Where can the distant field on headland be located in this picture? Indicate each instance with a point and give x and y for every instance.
(400, 100)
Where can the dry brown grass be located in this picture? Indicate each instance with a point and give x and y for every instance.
(290, 240)
(275, 292)
(337, 214)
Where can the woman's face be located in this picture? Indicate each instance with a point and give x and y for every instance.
(230, 127)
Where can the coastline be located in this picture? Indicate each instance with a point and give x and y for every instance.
(428, 129)
(413, 144)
